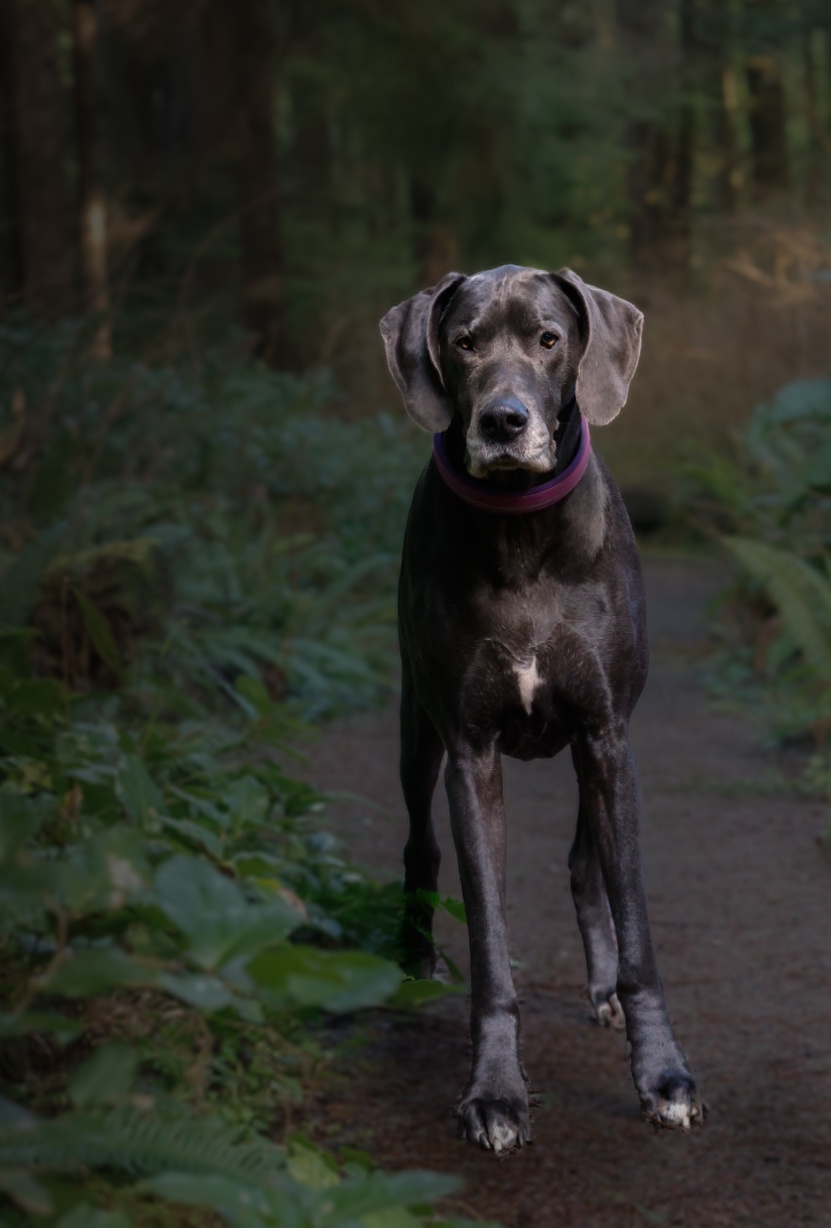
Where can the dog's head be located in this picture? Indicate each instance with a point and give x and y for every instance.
(506, 350)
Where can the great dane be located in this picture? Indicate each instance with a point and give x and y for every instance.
(523, 631)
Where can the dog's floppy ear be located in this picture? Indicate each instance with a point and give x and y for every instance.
(611, 332)
(410, 333)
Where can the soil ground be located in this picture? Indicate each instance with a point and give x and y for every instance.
(740, 896)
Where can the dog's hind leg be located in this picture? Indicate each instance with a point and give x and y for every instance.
(421, 756)
(594, 918)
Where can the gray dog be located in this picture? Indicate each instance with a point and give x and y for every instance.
(522, 628)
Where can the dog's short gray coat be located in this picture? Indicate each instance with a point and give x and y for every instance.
(522, 635)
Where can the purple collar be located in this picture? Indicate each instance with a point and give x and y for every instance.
(513, 503)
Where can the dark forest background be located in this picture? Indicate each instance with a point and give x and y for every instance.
(290, 170)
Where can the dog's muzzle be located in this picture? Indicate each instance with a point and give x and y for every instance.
(507, 435)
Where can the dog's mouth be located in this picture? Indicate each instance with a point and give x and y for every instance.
(482, 464)
(502, 464)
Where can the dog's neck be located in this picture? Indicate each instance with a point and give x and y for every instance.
(515, 492)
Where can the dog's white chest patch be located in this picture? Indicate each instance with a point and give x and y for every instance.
(528, 679)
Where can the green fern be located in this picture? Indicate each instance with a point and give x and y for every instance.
(169, 1139)
(799, 591)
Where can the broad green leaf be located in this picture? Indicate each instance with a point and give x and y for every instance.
(20, 818)
(99, 631)
(104, 872)
(212, 911)
(391, 1217)
(210, 1190)
(138, 791)
(105, 1077)
(192, 833)
(254, 690)
(34, 697)
(63, 1029)
(377, 1192)
(22, 745)
(85, 1216)
(453, 907)
(418, 993)
(206, 993)
(334, 980)
(94, 970)
(203, 805)
(310, 1166)
(24, 1190)
(248, 803)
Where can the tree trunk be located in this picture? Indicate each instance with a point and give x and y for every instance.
(641, 28)
(681, 222)
(39, 142)
(767, 114)
(768, 145)
(818, 144)
(730, 177)
(12, 264)
(253, 49)
(91, 205)
(722, 94)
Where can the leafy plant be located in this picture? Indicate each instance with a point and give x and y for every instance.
(802, 595)
(173, 917)
(168, 859)
(777, 490)
(775, 481)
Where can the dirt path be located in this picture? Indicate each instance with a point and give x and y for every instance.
(740, 900)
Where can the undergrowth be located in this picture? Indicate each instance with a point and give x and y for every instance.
(770, 501)
(195, 566)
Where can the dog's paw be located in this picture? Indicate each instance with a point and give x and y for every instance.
(497, 1124)
(609, 1012)
(673, 1103)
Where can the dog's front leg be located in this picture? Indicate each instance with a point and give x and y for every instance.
(494, 1108)
(608, 786)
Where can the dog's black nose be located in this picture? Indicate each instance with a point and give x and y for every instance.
(503, 420)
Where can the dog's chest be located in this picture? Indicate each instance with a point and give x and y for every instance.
(517, 661)
(528, 679)
(538, 664)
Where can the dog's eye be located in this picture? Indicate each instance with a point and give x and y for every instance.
(465, 342)
(549, 340)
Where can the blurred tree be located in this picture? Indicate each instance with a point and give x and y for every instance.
(11, 278)
(646, 50)
(818, 140)
(39, 153)
(91, 203)
(254, 64)
(309, 164)
(718, 38)
(681, 198)
(767, 112)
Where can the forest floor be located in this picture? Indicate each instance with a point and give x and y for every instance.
(740, 900)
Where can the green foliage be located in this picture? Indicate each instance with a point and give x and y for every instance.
(105, 888)
(801, 594)
(776, 482)
(166, 895)
(195, 1160)
(256, 562)
(777, 491)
